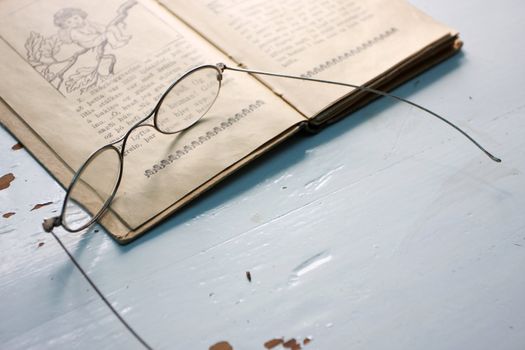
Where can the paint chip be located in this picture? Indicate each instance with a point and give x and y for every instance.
(6, 180)
(8, 214)
(40, 205)
(40, 244)
(272, 343)
(17, 146)
(292, 344)
(222, 345)
(249, 276)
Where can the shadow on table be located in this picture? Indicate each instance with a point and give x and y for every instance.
(293, 151)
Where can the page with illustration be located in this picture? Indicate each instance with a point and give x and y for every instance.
(343, 40)
(80, 73)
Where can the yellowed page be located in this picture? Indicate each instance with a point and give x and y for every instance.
(342, 40)
(79, 93)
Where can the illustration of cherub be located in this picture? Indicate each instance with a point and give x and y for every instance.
(90, 39)
(75, 28)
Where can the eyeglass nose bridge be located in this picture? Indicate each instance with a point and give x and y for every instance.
(147, 122)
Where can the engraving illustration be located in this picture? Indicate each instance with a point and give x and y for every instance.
(76, 57)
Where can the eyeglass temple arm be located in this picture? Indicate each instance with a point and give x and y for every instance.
(371, 90)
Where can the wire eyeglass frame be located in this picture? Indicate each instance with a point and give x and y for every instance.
(50, 223)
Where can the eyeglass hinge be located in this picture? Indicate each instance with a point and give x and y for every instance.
(221, 66)
(51, 223)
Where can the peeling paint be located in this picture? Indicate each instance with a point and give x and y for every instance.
(8, 214)
(5, 181)
(272, 343)
(286, 344)
(17, 146)
(222, 345)
(40, 205)
(292, 344)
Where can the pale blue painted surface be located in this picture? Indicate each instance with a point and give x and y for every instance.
(387, 230)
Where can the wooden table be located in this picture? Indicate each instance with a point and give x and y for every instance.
(385, 231)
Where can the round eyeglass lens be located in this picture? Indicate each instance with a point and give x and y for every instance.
(188, 100)
(92, 189)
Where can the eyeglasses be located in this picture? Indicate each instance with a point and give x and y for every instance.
(184, 103)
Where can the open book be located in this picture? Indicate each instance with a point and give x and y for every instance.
(77, 74)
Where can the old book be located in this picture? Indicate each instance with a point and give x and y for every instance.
(77, 75)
